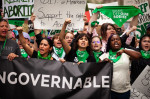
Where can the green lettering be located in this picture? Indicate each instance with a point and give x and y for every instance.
(5, 11)
(10, 9)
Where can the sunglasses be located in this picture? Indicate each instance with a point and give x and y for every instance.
(96, 42)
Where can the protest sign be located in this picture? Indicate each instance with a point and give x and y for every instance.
(17, 8)
(45, 79)
(141, 86)
(51, 14)
(102, 18)
(143, 20)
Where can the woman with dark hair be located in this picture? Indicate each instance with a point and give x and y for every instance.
(121, 61)
(138, 66)
(45, 47)
(81, 50)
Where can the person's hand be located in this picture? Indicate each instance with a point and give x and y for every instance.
(85, 18)
(135, 6)
(67, 21)
(80, 62)
(19, 29)
(11, 56)
(37, 31)
(119, 53)
(107, 60)
(133, 28)
(32, 17)
(62, 60)
(100, 6)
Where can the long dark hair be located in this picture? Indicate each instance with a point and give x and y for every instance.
(3, 20)
(108, 47)
(50, 42)
(75, 47)
(140, 46)
(104, 29)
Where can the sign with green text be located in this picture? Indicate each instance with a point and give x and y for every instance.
(17, 8)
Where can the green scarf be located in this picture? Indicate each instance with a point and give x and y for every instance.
(59, 51)
(23, 53)
(145, 54)
(119, 14)
(112, 56)
(82, 55)
(40, 57)
(97, 55)
(93, 23)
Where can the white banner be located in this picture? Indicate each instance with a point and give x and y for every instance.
(51, 14)
(141, 86)
(17, 8)
(102, 18)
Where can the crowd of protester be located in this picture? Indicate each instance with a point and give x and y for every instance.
(129, 56)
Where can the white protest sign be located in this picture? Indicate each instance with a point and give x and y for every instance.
(102, 18)
(51, 14)
(17, 8)
(142, 83)
(144, 20)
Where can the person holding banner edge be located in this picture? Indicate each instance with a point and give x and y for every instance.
(107, 29)
(121, 61)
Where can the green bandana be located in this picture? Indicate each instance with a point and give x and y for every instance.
(82, 55)
(59, 51)
(40, 57)
(93, 23)
(23, 53)
(145, 54)
(16, 22)
(97, 55)
(119, 14)
(112, 56)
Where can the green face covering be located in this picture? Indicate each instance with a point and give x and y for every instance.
(59, 51)
(112, 56)
(119, 14)
(23, 53)
(145, 54)
(97, 55)
(82, 55)
(40, 56)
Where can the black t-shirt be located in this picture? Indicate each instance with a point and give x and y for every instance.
(35, 54)
(10, 47)
(72, 57)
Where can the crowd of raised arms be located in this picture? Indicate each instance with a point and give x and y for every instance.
(128, 55)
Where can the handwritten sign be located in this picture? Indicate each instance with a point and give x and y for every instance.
(102, 18)
(17, 8)
(142, 85)
(51, 14)
(143, 20)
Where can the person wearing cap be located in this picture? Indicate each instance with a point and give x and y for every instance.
(148, 29)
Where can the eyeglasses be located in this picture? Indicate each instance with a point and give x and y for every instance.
(96, 42)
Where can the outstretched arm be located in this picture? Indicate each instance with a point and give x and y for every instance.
(65, 45)
(23, 42)
(134, 21)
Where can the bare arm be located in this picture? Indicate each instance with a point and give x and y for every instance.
(23, 42)
(65, 45)
(134, 21)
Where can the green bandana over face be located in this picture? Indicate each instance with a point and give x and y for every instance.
(97, 55)
(40, 57)
(112, 56)
(23, 53)
(82, 55)
(145, 54)
(119, 14)
(59, 51)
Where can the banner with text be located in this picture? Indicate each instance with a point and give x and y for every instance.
(45, 79)
(102, 18)
(143, 20)
(141, 86)
(51, 14)
(17, 8)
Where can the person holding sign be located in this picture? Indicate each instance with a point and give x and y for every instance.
(138, 66)
(45, 47)
(8, 48)
(107, 29)
(80, 52)
(120, 58)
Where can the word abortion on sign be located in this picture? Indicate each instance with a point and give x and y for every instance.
(51, 14)
(17, 8)
(35, 79)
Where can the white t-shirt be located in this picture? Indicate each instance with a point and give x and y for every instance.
(121, 75)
